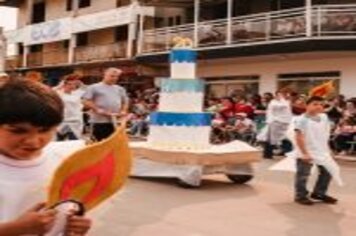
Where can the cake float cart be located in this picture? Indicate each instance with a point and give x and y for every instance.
(178, 145)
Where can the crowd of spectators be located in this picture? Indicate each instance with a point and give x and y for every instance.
(244, 117)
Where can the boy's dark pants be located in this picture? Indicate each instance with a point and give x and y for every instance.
(303, 172)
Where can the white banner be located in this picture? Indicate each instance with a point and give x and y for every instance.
(61, 29)
(51, 31)
(15, 36)
(101, 20)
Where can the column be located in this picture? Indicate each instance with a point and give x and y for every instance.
(229, 21)
(3, 51)
(140, 34)
(26, 48)
(73, 39)
(308, 18)
(196, 22)
(26, 51)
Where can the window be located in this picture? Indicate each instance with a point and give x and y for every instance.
(231, 86)
(69, 5)
(170, 21)
(178, 20)
(121, 33)
(303, 82)
(39, 12)
(122, 3)
(84, 3)
(82, 39)
(66, 44)
(158, 22)
(20, 48)
(36, 48)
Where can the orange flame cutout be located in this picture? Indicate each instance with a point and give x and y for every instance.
(102, 172)
(94, 173)
(322, 90)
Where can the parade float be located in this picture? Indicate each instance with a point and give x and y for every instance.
(178, 144)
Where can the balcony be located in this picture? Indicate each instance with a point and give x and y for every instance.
(321, 22)
(95, 53)
(51, 58)
(13, 63)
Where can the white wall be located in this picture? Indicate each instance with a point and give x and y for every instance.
(268, 71)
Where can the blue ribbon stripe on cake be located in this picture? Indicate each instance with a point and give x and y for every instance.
(183, 55)
(179, 85)
(180, 119)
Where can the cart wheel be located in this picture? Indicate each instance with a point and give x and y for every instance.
(240, 179)
(183, 184)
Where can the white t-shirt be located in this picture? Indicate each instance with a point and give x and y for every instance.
(25, 183)
(279, 110)
(73, 107)
(316, 131)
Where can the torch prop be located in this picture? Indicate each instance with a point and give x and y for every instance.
(91, 175)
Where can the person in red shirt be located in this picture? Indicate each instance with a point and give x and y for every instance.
(243, 107)
(227, 111)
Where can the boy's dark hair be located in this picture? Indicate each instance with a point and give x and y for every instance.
(314, 99)
(23, 101)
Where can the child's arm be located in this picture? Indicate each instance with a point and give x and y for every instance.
(33, 221)
(300, 140)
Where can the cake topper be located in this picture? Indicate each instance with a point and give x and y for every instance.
(182, 42)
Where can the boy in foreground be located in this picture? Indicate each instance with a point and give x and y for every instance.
(312, 133)
(30, 113)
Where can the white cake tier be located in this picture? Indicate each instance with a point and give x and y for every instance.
(181, 102)
(179, 137)
(183, 70)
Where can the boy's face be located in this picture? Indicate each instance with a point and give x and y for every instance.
(315, 107)
(23, 141)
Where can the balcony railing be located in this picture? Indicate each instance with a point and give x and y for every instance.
(101, 52)
(50, 58)
(324, 21)
(13, 62)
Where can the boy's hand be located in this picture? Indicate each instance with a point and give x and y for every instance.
(36, 220)
(77, 226)
(307, 159)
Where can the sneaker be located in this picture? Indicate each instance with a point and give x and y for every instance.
(304, 201)
(324, 198)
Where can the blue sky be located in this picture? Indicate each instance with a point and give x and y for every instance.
(8, 18)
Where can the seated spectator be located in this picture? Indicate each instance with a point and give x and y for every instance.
(345, 133)
(227, 108)
(350, 109)
(242, 106)
(218, 129)
(213, 105)
(244, 129)
(334, 110)
(298, 105)
(139, 125)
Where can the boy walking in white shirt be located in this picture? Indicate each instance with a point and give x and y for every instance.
(312, 132)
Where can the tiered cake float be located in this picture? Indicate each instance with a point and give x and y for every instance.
(178, 144)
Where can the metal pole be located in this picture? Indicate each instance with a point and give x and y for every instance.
(140, 33)
(196, 22)
(73, 37)
(308, 18)
(2, 51)
(229, 21)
